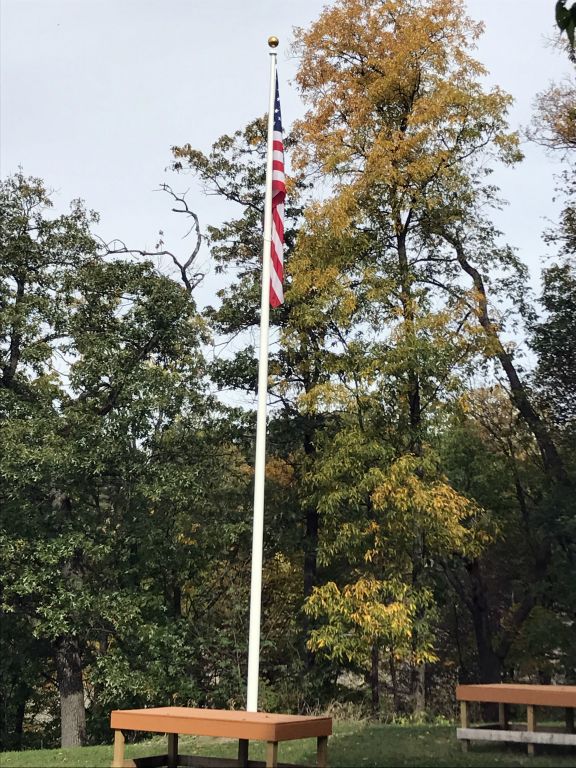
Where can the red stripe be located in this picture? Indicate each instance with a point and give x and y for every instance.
(276, 258)
(277, 264)
(278, 196)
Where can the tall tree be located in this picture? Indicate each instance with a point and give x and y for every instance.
(234, 169)
(401, 125)
(96, 353)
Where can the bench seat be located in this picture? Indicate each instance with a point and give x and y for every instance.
(530, 696)
(241, 725)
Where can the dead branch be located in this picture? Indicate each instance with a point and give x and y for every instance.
(190, 280)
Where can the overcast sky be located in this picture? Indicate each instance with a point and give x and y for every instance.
(95, 92)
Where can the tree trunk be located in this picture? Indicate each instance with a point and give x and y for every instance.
(312, 522)
(375, 680)
(419, 689)
(394, 680)
(489, 663)
(310, 551)
(310, 569)
(409, 316)
(19, 723)
(551, 459)
(71, 690)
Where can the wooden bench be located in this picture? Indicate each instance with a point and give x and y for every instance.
(530, 696)
(244, 726)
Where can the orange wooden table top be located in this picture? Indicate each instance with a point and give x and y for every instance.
(235, 724)
(517, 693)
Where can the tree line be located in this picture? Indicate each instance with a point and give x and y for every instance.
(420, 515)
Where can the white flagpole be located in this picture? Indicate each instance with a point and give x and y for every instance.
(260, 464)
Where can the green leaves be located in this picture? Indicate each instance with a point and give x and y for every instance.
(112, 470)
(366, 612)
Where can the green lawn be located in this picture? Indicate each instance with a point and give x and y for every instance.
(353, 745)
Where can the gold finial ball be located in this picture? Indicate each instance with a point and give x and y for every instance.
(273, 41)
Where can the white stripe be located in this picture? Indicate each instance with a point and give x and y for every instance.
(276, 284)
(278, 247)
(276, 242)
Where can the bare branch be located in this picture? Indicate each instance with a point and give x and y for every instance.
(191, 281)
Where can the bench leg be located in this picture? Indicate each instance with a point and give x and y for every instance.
(172, 750)
(503, 717)
(322, 751)
(271, 754)
(243, 753)
(465, 723)
(531, 726)
(569, 720)
(119, 742)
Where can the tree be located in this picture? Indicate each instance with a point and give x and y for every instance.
(554, 122)
(322, 349)
(234, 169)
(566, 21)
(97, 354)
(554, 126)
(553, 341)
(400, 124)
(519, 582)
(365, 400)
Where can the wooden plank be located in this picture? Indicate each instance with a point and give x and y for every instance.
(465, 722)
(307, 729)
(119, 742)
(172, 750)
(322, 752)
(531, 727)
(262, 726)
(509, 693)
(271, 754)
(243, 747)
(520, 737)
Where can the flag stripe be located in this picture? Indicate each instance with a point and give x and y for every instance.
(278, 195)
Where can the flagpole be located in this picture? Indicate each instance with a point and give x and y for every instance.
(260, 464)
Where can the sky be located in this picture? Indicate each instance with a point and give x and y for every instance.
(95, 92)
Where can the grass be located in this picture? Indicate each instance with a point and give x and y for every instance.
(354, 745)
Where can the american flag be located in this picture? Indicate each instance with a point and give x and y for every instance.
(278, 195)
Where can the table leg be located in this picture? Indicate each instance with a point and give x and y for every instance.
(119, 742)
(172, 750)
(243, 753)
(503, 717)
(569, 720)
(531, 726)
(465, 723)
(322, 751)
(271, 754)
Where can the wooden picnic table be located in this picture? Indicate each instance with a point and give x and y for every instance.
(530, 696)
(244, 726)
